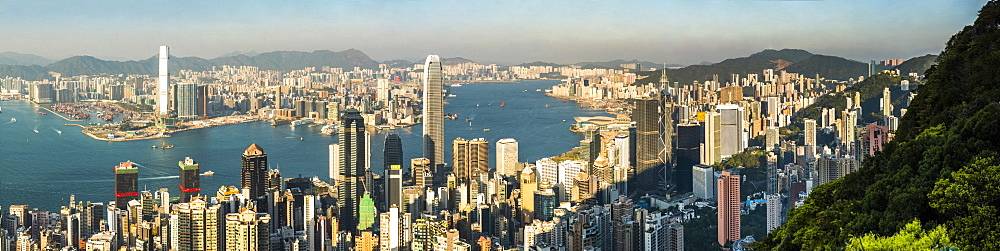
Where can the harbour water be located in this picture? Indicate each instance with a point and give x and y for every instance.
(43, 168)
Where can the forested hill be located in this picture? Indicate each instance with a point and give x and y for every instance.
(941, 172)
(790, 60)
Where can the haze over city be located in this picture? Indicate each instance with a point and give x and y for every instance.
(505, 32)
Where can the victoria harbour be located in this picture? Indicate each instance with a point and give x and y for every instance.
(82, 166)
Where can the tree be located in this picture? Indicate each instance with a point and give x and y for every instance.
(969, 199)
(911, 237)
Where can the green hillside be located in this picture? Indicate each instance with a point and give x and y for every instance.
(941, 169)
(916, 65)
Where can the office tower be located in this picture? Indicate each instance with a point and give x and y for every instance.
(688, 154)
(529, 183)
(886, 102)
(394, 186)
(649, 162)
(773, 211)
(334, 168)
(703, 181)
(421, 168)
(507, 157)
(729, 207)
(309, 217)
(163, 83)
(545, 202)
(253, 175)
(353, 164)
(772, 173)
(393, 153)
(809, 129)
(190, 179)
(732, 128)
(248, 231)
(198, 225)
(712, 150)
(433, 111)
(470, 158)
(126, 184)
(186, 100)
(202, 100)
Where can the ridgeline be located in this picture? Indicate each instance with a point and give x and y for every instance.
(941, 172)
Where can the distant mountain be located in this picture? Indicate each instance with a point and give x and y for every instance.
(278, 60)
(918, 64)
(237, 53)
(14, 58)
(790, 60)
(616, 64)
(399, 63)
(829, 67)
(540, 63)
(455, 61)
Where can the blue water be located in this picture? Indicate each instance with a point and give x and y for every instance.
(42, 169)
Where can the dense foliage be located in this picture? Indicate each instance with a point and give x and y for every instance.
(940, 168)
(917, 65)
(911, 237)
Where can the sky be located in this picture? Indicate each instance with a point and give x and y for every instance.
(505, 32)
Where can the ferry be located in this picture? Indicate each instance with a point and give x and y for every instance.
(301, 122)
(486, 130)
(277, 122)
(546, 105)
(329, 129)
(208, 173)
(456, 85)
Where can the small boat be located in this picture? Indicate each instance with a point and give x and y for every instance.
(456, 85)
(486, 130)
(477, 105)
(1, 109)
(564, 120)
(208, 173)
(564, 100)
(547, 105)
(538, 90)
(42, 113)
(12, 120)
(300, 138)
(502, 104)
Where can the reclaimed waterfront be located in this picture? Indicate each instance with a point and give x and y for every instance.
(49, 165)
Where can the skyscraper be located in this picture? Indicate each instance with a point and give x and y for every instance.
(248, 231)
(734, 139)
(773, 211)
(198, 227)
(334, 168)
(646, 116)
(393, 151)
(809, 131)
(421, 168)
(729, 207)
(186, 100)
(126, 184)
(886, 102)
(163, 83)
(394, 186)
(506, 157)
(190, 183)
(470, 158)
(433, 111)
(253, 175)
(703, 179)
(688, 153)
(353, 164)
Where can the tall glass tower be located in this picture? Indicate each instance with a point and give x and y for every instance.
(163, 83)
(433, 111)
(353, 162)
(393, 170)
(253, 175)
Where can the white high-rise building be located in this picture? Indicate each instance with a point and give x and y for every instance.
(809, 129)
(433, 111)
(309, 217)
(734, 137)
(507, 157)
(712, 150)
(886, 102)
(703, 181)
(163, 83)
(548, 170)
(773, 211)
(389, 227)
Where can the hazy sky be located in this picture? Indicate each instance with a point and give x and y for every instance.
(684, 32)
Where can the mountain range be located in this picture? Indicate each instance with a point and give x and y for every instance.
(33, 67)
(790, 60)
